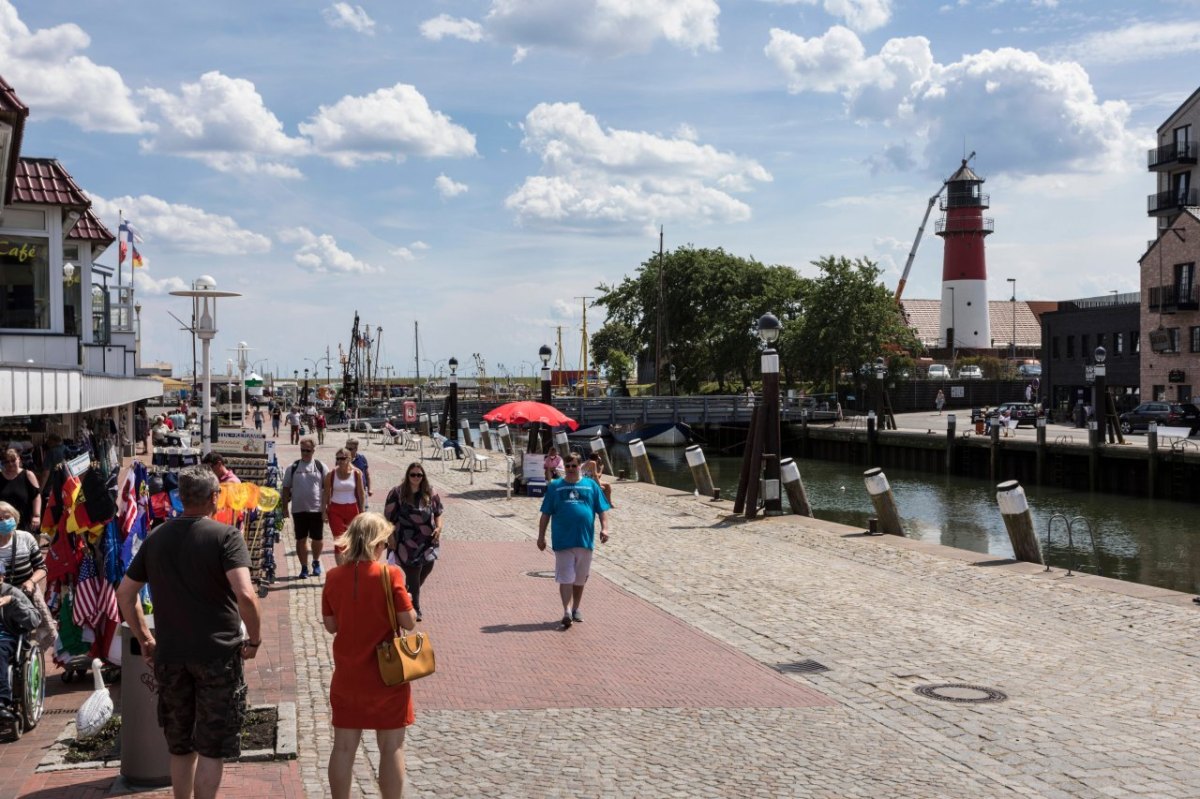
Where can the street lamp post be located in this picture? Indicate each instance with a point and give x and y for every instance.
(768, 330)
(452, 401)
(204, 296)
(229, 387)
(1013, 302)
(544, 352)
(243, 353)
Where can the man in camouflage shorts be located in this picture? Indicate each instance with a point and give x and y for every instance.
(199, 575)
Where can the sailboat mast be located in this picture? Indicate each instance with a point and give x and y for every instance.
(658, 314)
(583, 352)
(417, 351)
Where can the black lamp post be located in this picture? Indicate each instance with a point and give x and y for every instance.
(544, 352)
(1100, 391)
(768, 330)
(305, 400)
(452, 410)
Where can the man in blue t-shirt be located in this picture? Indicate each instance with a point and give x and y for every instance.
(573, 503)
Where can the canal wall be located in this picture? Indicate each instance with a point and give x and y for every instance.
(1064, 460)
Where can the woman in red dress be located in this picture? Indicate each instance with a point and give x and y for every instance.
(354, 608)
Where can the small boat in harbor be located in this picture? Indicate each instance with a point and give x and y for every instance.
(591, 432)
(665, 434)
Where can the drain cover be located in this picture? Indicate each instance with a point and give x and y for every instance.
(803, 667)
(959, 692)
(548, 574)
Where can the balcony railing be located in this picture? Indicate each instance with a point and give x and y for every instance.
(1166, 202)
(1173, 154)
(979, 225)
(1175, 297)
(964, 199)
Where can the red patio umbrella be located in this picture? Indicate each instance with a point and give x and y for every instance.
(528, 412)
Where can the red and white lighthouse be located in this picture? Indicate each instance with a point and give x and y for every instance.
(964, 321)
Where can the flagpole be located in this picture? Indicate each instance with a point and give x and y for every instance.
(120, 258)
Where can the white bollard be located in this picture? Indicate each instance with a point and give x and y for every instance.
(597, 445)
(637, 450)
(466, 432)
(505, 439)
(483, 435)
(562, 442)
(884, 502)
(700, 473)
(1014, 508)
(789, 472)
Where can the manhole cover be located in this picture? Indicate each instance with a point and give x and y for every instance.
(547, 574)
(803, 667)
(958, 692)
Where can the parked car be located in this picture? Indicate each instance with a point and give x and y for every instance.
(1025, 413)
(970, 372)
(939, 371)
(1030, 369)
(1172, 414)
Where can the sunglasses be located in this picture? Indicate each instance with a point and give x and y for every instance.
(572, 466)
(415, 474)
(341, 458)
(306, 450)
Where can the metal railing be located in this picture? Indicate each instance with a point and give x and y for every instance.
(985, 224)
(961, 199)
(1178, 296)
(1071, 567)
(1165, 201)
(1173, 153)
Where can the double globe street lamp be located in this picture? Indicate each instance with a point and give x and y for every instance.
(204, 296)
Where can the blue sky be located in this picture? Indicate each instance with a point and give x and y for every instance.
(478, 165)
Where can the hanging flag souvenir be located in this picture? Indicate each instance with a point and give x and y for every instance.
(95, 599)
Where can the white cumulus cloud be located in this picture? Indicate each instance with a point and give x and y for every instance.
(1137, 42)
(224, 123)
(146, 285)
(1021, 113)
(444, 25)
(595, 175)
(603, 28)
(51, 75)
(448, 187)
(182, 227)
(386, 125)
(861, 15)
(320, 253)
(355, 18)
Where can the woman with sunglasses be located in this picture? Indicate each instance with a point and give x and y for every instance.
(343, 498)
(415, 510)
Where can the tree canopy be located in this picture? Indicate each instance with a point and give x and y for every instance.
(710, 307)
(711, 302)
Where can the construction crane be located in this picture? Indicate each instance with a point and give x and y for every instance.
(912, 254)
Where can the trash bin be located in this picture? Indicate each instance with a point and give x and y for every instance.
(979, 426)
(144, 756)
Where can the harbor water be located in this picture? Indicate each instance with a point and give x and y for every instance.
(1153, 542)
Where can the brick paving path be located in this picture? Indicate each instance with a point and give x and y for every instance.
(1103, 694)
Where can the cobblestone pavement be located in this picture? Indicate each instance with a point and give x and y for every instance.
(1100, 676)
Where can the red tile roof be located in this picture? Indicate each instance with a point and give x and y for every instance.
(44, 181)
(924, 316)
(90, 228)
(12, 112)
(9, 102)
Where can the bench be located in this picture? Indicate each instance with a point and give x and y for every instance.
(1173, 432)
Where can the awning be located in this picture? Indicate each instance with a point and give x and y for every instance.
(170, 383)
(30, 391)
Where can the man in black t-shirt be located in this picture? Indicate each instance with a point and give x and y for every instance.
(199, 575)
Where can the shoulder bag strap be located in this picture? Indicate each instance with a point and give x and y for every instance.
(387, 592)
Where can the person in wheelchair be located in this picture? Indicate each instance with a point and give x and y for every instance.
(18, 617)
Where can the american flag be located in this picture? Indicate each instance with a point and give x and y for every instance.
(95, 599)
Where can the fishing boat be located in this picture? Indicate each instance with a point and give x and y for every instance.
(665, 434)
(585, 433)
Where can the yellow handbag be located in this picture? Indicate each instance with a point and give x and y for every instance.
(404, 656)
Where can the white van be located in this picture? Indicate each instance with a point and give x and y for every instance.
(939, 371)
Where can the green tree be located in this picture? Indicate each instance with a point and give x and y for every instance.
(711, 301)
(615, 338)
(850, 319)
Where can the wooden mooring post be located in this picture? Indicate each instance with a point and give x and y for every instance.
(883, 500)
(700, 474)
(950, 425)
(794, 485)
(637, 450)
(1014, 508)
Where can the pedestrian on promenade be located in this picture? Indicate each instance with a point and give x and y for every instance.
(258, 419)
(199, 574)
(343, 498)
(415, 511)
(354, 609)
(360, 463)
(276, 418)
(293, 420)
(303, 485)
(593, 467)
(19, 487)
(552, 464)
(216, 462)
(21, 561)
(319, 423)
(573, 504)
(940, 402)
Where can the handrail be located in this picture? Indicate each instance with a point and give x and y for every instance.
(1071, 541)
